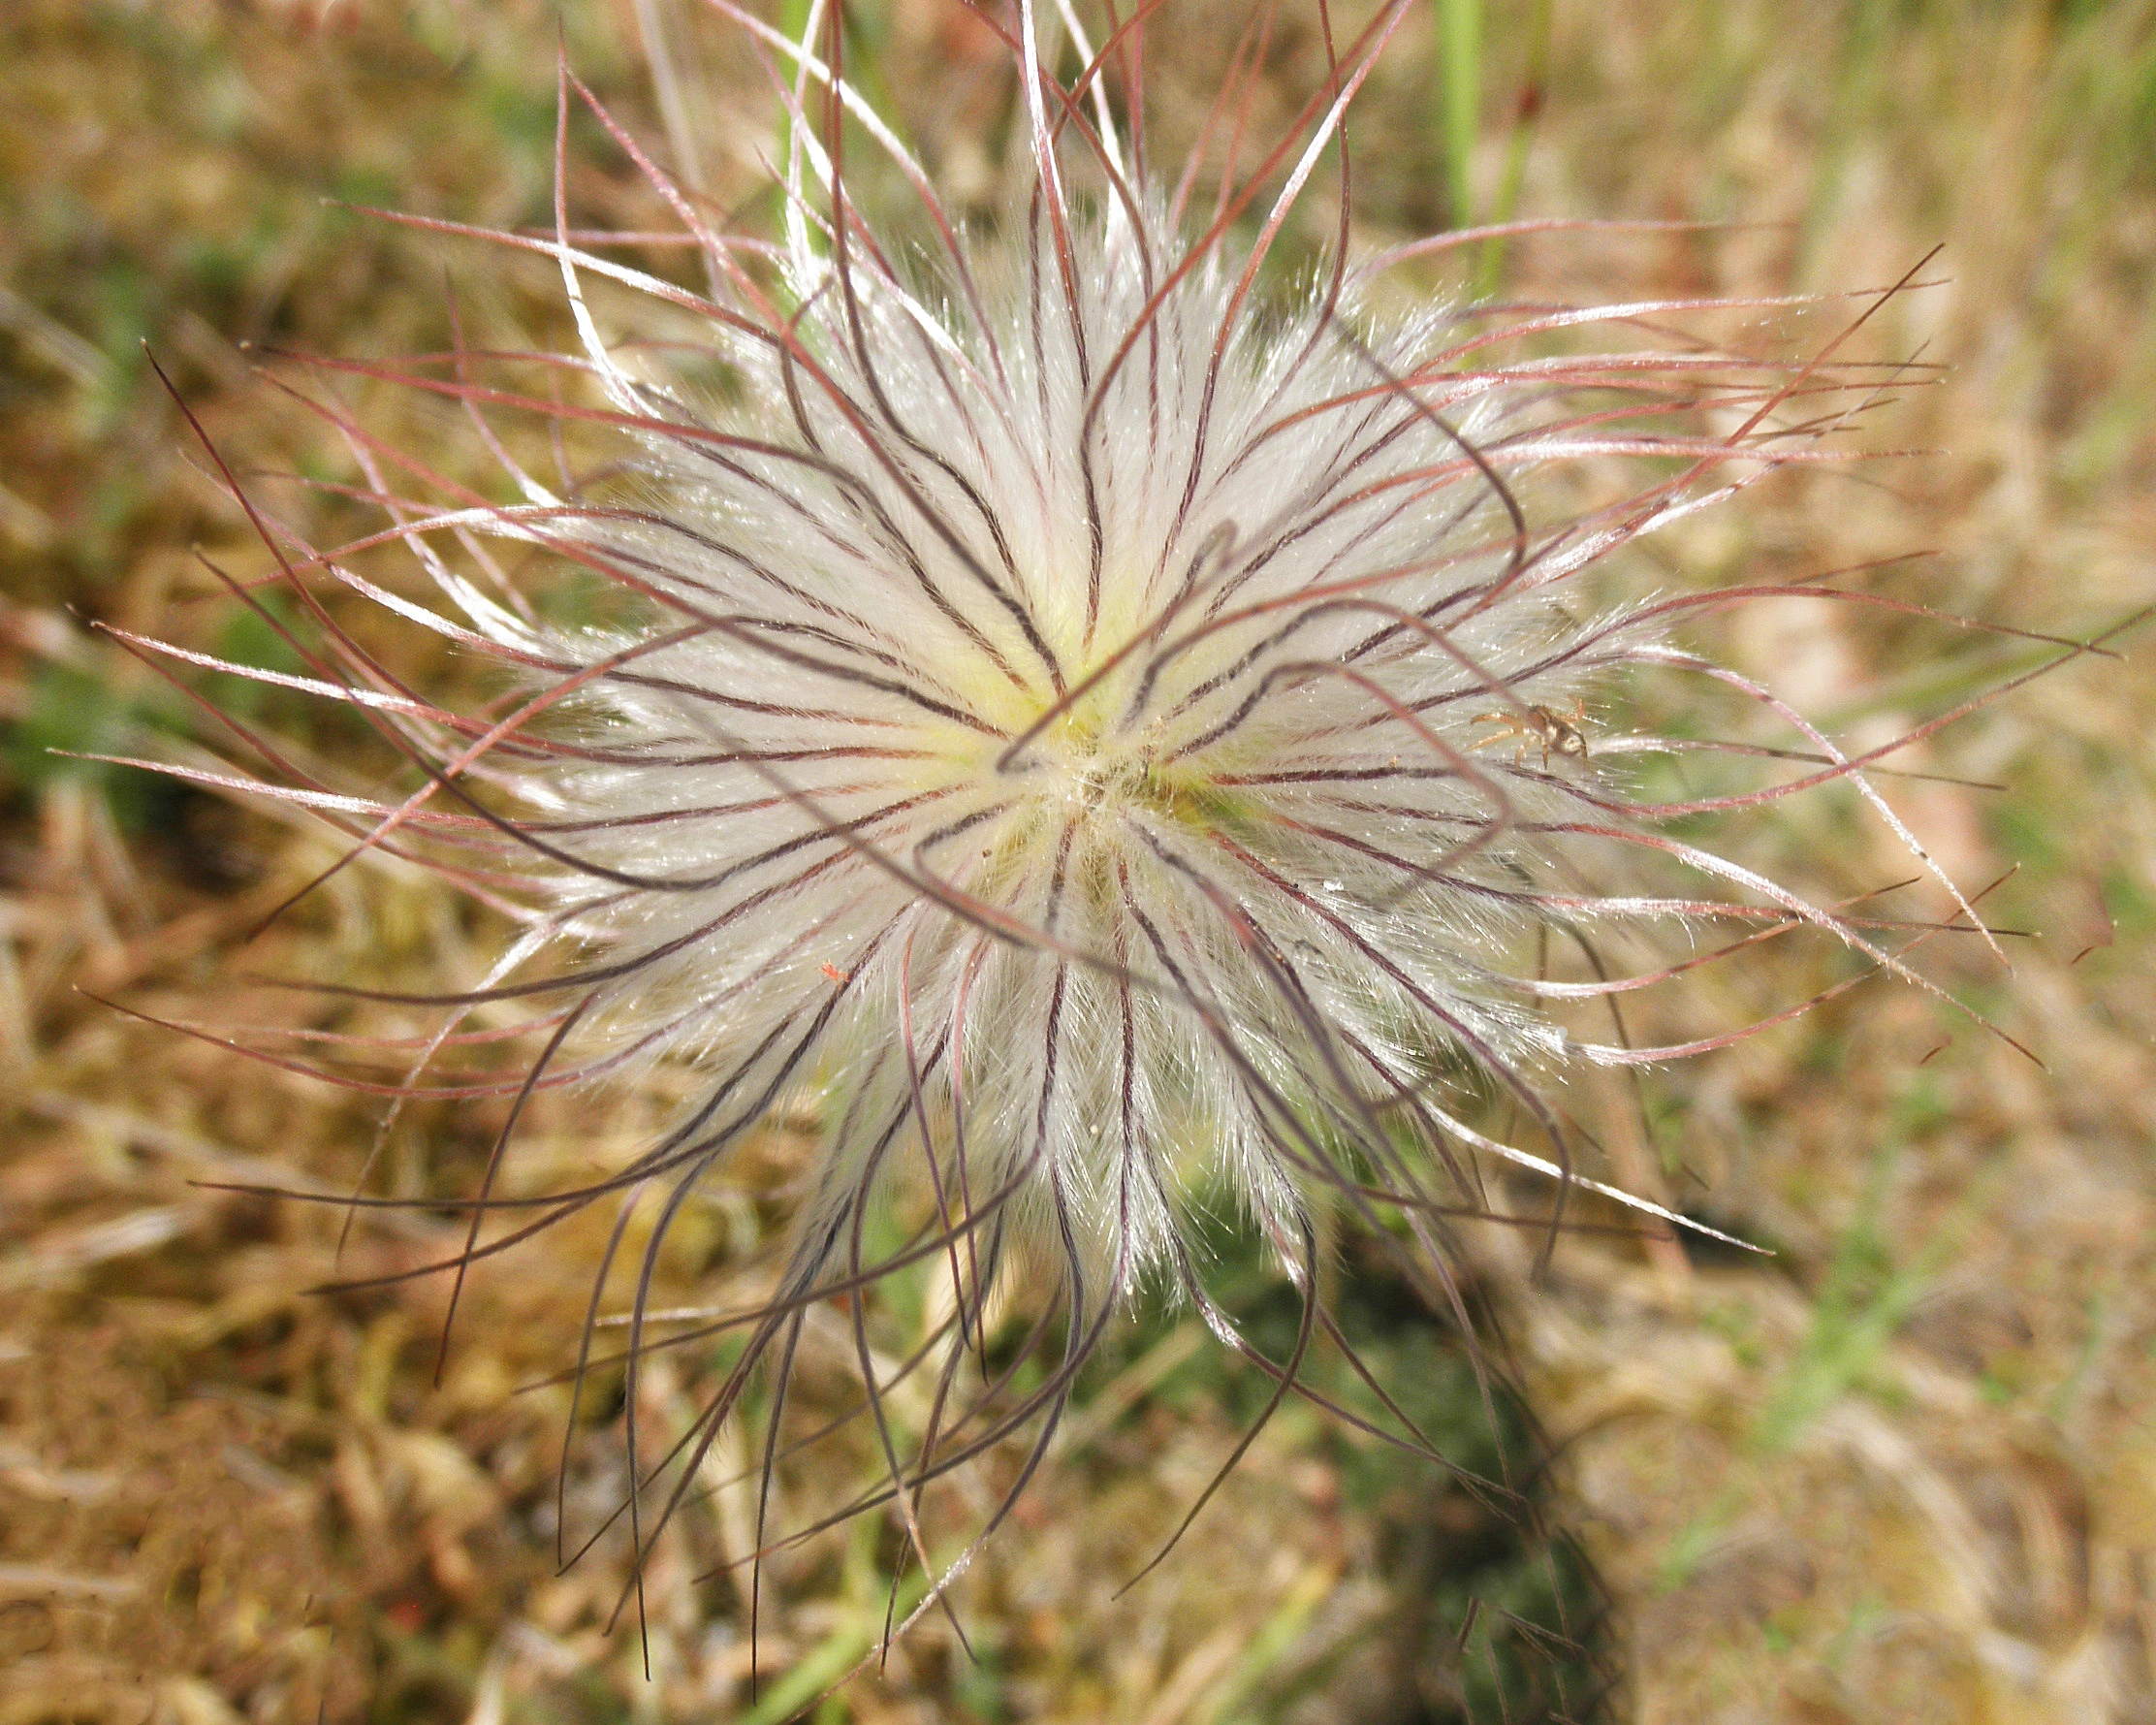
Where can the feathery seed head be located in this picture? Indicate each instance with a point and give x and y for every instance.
(1112, 726)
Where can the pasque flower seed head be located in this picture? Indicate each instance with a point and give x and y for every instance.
(1109, 720)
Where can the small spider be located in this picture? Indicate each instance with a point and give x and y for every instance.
(1556, 733)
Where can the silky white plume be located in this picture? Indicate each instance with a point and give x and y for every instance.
(1111, 725)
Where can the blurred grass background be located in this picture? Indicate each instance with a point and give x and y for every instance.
(1904, 1470)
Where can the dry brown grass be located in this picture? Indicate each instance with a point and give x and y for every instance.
(1904, 1471)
